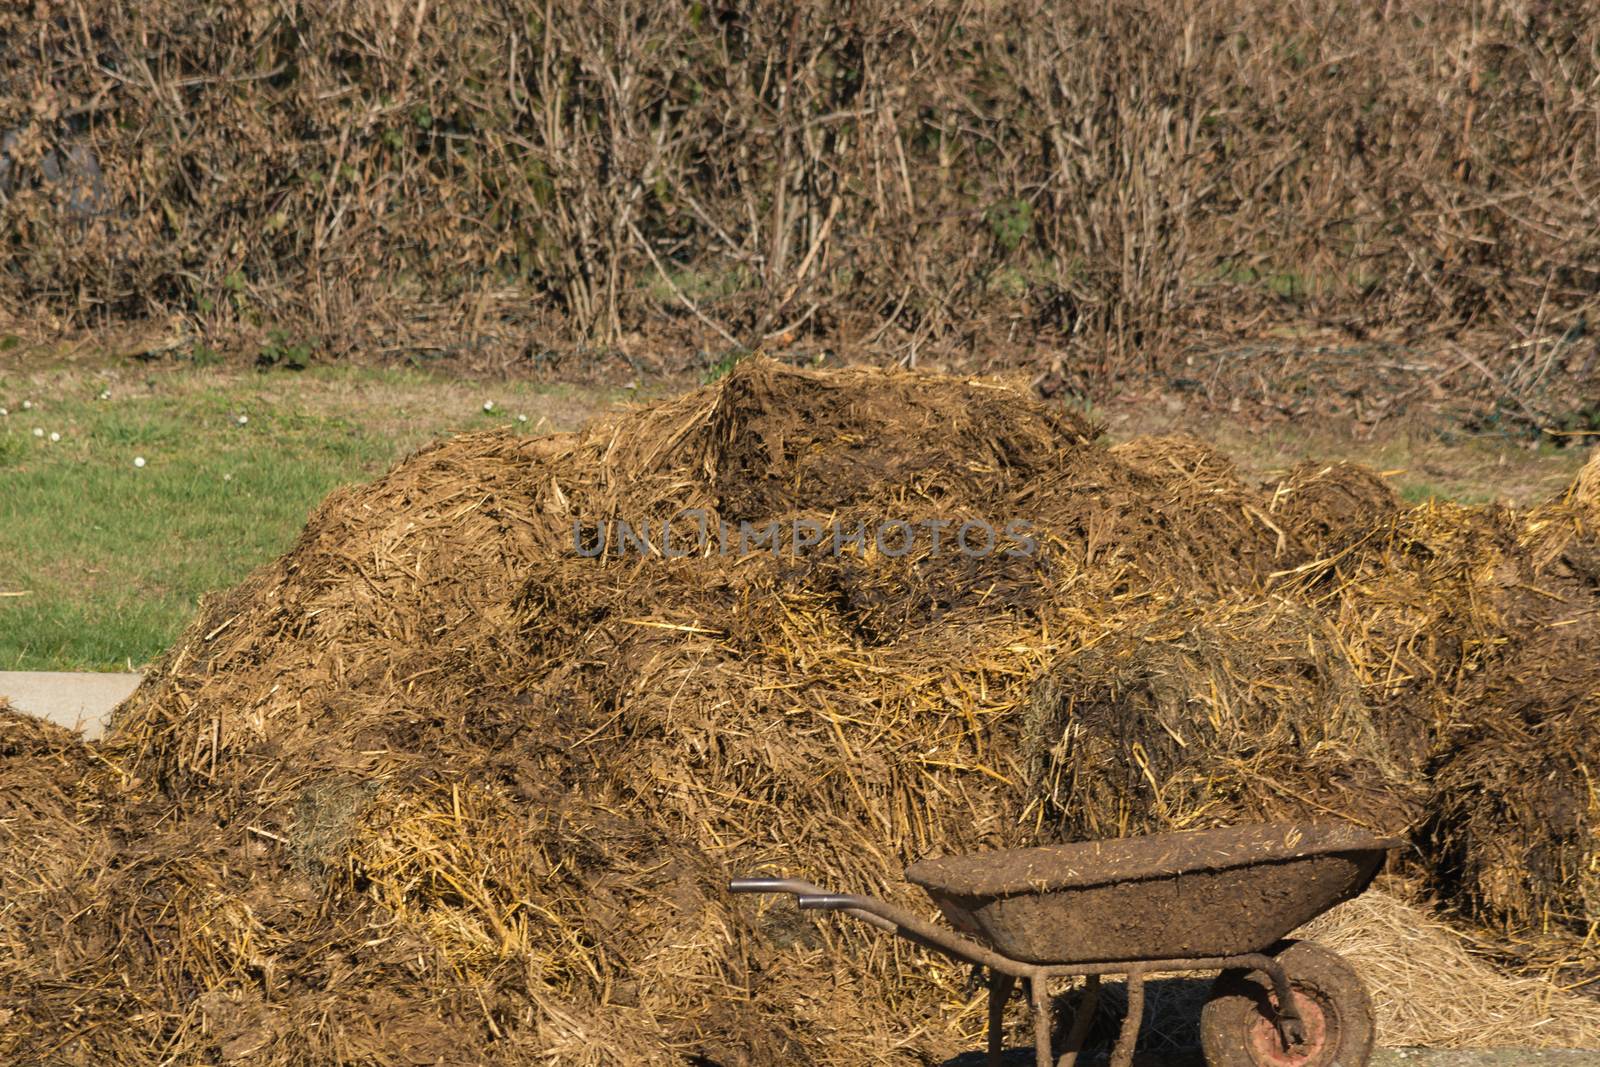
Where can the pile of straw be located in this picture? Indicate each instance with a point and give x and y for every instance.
(1517, 820)
(438, 786)
(1432, 987)
(1207, 714)
(1332, 506)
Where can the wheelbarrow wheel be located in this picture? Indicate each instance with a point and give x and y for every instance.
(1239, 1028)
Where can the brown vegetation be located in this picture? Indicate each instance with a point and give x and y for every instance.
(434, 785)
(518, 179)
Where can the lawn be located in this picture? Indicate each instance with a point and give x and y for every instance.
(103, 561)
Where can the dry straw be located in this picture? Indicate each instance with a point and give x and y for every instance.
(1432, 989)
(433, 785)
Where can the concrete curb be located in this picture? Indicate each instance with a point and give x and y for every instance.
(78, 701)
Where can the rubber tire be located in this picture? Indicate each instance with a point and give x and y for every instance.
(1240, 999)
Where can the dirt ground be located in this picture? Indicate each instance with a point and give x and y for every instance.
(1387, 1057)
(1420, 457)
(1510, 1057)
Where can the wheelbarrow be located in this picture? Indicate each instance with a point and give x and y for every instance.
(1210, 900)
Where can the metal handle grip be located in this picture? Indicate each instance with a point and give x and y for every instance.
(885, 917)
(772, 885)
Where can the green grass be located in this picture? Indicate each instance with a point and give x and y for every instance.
(697, 285)
(1425, 492)
(113, 558)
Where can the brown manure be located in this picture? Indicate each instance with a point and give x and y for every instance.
(1206, 716)
(1516, 822)
(1223, 528)
(1585, 489)
(1333, 505)
(1426, 603)
(459, 778)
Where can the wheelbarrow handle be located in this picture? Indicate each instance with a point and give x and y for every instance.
(884, 916)
(796, 886)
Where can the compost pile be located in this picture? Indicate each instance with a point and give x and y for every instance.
(455, 781)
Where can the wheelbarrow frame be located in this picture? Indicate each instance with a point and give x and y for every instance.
(1004, 972)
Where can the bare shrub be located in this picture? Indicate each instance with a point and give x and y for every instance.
(384, 173)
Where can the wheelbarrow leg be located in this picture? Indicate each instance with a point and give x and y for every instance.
(1082, 1018)
(1122, 1055)
(1044, 1022)
(1000, 987)
(1290, 1026)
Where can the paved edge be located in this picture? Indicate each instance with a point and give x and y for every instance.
(1508, 1057)
(78, 701)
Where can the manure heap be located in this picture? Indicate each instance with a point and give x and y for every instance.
(448, 784)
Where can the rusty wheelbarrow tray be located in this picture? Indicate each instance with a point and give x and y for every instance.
(1193, 901)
